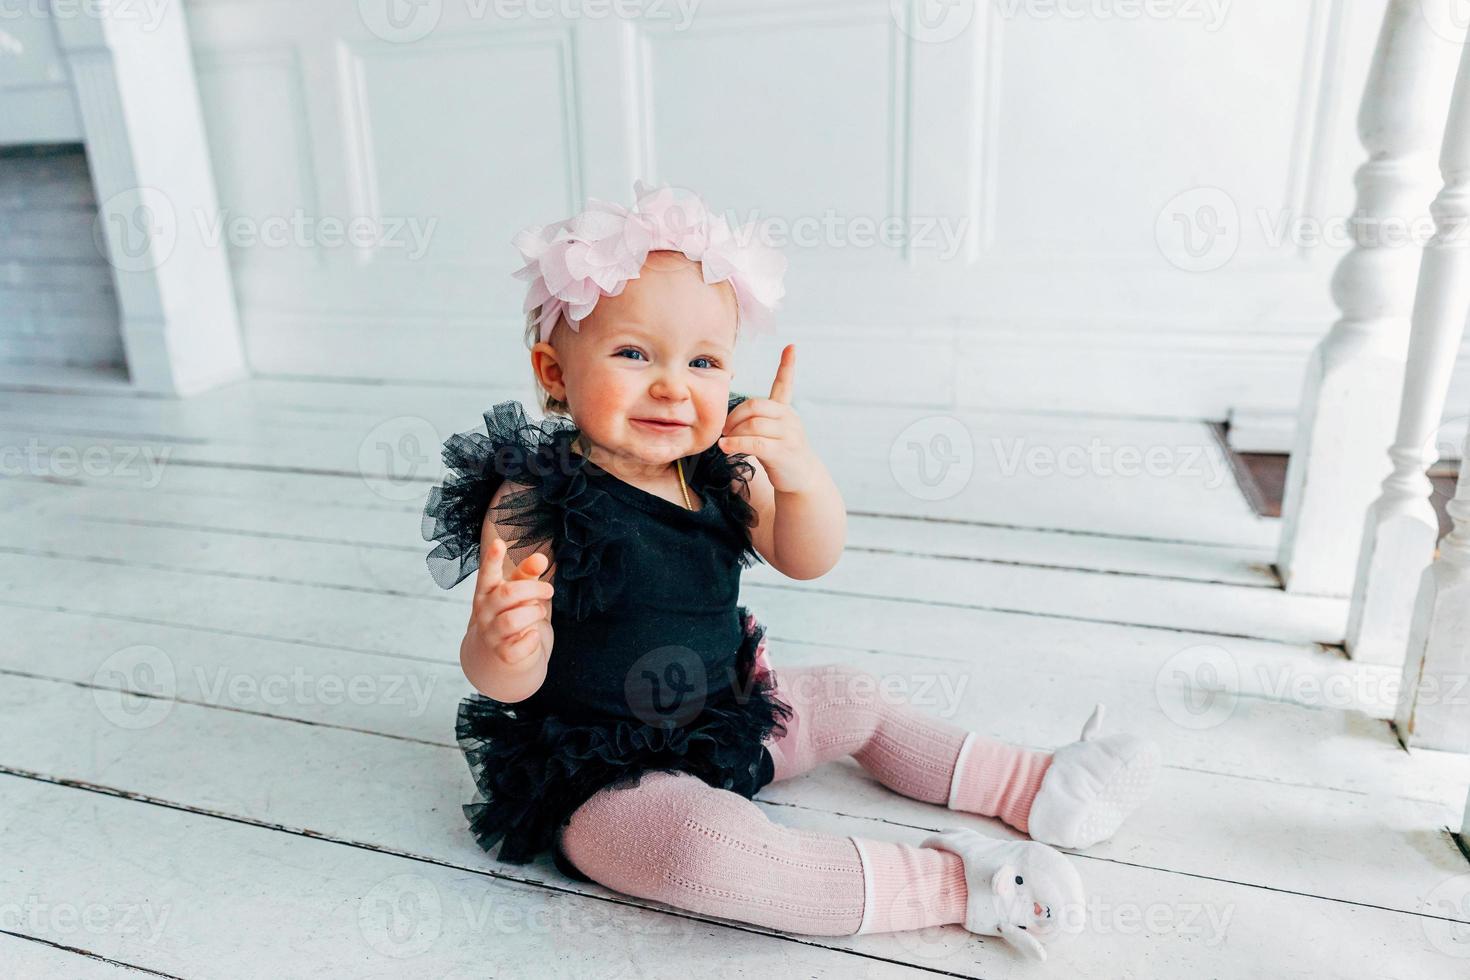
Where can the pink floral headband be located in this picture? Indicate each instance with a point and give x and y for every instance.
(573, 263)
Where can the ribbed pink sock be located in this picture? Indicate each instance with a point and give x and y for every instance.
(675, 839)
(997, 779)
(841, 711)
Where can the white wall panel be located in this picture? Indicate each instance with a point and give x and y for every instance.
(1035, 152)
(498, 150)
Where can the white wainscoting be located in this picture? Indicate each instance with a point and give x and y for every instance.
(1050, 146)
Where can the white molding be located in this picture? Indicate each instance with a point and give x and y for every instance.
(286, 58)
(352, 55)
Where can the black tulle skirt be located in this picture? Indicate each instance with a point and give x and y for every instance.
(533, 769)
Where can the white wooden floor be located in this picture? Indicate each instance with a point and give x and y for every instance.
(285, 800)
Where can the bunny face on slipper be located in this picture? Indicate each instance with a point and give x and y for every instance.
(1022, 891)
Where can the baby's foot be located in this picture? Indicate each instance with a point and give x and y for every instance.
(1092, 786)
(1021, 891)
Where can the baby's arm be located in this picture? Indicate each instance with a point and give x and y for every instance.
(802, 522)
(509, 637)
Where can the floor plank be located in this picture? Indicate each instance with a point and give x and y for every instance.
(25, 957)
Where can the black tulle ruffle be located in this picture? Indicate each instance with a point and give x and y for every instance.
(533, 770)
(553, 502)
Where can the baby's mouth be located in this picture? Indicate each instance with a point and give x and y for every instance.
(660, 425)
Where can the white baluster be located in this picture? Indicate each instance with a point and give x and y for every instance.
(1401, 528)
(1355, 374)
(1434, 698)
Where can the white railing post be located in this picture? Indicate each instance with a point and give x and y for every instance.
(1355, 373)
(1434, 696)
(1402, 528)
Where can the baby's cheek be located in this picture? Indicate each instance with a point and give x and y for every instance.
(602, 392)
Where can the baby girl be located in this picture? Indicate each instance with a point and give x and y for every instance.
(626, 710)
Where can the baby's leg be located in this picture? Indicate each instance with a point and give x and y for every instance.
(675, 839)
(841, 711)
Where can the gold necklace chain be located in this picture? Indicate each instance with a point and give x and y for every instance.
(679, 465)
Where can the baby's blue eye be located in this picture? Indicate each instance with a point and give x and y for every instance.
(709, 360)
(630, 350)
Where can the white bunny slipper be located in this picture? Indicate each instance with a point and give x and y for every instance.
(1092, 786)
(1024, 892)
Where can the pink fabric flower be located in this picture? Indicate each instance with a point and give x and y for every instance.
(573, 263)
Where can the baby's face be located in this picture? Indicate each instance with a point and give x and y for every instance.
(661, 349)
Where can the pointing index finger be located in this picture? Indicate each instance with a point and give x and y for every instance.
(491, 572)
(785, 376)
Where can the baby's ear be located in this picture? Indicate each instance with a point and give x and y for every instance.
(1003, 884)
(548, 371)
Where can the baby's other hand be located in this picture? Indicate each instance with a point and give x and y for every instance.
(509, 614)
(770, 430)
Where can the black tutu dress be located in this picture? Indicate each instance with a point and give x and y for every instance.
(654, 665)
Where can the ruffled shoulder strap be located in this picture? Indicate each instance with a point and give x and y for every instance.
(551, 502)
(724, 480)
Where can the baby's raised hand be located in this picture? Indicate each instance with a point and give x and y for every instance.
(770, 430)
(507, 618)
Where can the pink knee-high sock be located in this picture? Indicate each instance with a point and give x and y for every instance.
(675, 839)
(840, 711)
